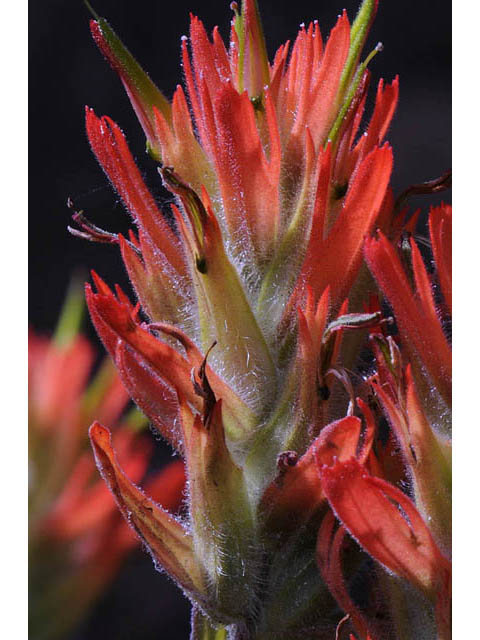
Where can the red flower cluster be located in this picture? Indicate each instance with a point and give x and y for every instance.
(77, 537)
(261, 267)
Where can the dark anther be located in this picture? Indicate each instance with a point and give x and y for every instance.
(201, 264)
(202, 388)
(412, 451)
(324, 392)
(257, 103)
(285, 460)
(339, 190)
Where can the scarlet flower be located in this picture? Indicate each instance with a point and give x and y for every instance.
(77, 538)
(237, 350)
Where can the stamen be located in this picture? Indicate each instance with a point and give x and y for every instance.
(340, 625)
(437, 185)
(193, 208)
(92, 233)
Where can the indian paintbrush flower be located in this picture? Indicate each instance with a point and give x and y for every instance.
(253, 308)
(77, 539)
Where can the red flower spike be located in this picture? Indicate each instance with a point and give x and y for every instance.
(164, 536)
(275, 191)
(78, 538)
(386, 524)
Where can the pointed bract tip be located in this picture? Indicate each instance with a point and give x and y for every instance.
(99, 433)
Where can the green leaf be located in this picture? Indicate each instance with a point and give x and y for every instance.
(71, 316)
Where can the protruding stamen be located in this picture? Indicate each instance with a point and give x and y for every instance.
(92, 233)
(194, 209)
(437, 185)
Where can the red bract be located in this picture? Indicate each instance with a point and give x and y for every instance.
(414, 306)
(385, 523)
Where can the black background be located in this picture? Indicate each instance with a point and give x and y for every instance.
(67, 72)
